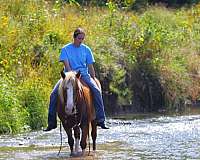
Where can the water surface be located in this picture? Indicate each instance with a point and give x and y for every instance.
(164, 137)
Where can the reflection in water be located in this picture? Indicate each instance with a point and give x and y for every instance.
(151, 138)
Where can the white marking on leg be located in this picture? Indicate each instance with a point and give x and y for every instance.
(83, 152)
(77, 144)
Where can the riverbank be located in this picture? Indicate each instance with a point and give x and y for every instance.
(127, 112)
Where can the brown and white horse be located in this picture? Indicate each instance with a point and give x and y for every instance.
(75, 110)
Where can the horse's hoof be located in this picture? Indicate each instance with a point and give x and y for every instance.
(72, 154)
(76, 154)
(83, 153)
(79, 154)
(77, 150)
(94, 153)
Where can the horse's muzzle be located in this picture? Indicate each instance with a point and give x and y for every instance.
(70, 111)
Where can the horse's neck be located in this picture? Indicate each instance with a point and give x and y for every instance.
(83, 83)
(88, 99)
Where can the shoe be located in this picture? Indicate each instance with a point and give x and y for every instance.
(48, 129)
(102, 125)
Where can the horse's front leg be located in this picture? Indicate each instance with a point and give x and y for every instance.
(77, 138)
(85, 130)
(94, 134)
(70, 140)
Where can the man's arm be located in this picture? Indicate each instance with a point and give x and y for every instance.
(91, 70)
(67, 66)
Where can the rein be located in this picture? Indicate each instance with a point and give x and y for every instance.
(60, 140)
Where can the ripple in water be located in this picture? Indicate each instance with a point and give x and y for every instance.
(153, 138)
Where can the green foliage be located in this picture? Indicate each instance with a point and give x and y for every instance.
(162, 48)
(34, 97)
(161, 44)
(110, 58)
(119, 87)
(12, 115)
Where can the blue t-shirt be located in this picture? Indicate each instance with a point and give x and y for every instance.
(78, 57)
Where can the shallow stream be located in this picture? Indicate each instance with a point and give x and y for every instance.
(163, 137)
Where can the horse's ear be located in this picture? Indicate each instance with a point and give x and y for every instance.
(78, 75)
(63, 74)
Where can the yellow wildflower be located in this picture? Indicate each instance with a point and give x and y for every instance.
(4, 62)
(4, 21)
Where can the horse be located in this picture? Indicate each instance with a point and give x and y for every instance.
(76, 111)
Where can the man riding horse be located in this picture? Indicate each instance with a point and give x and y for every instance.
(78, 57)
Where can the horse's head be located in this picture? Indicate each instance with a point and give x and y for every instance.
(68, 91)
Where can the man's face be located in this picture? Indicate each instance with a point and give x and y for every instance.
(79, 39)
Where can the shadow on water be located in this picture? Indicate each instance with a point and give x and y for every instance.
(133, 136)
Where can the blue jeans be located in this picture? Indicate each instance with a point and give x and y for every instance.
(97, 98)
(52, 115)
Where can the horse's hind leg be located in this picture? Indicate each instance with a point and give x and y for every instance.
(70, 140)
(94, 134)
(77, 138)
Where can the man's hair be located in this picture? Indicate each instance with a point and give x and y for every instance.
(78, 31)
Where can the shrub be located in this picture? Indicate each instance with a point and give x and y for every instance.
(12, 115)
(34, 98)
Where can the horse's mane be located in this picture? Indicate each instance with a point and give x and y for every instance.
(68, 75)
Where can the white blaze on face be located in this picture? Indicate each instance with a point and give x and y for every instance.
(70, 99)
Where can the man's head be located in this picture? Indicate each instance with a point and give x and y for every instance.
(79, 36)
